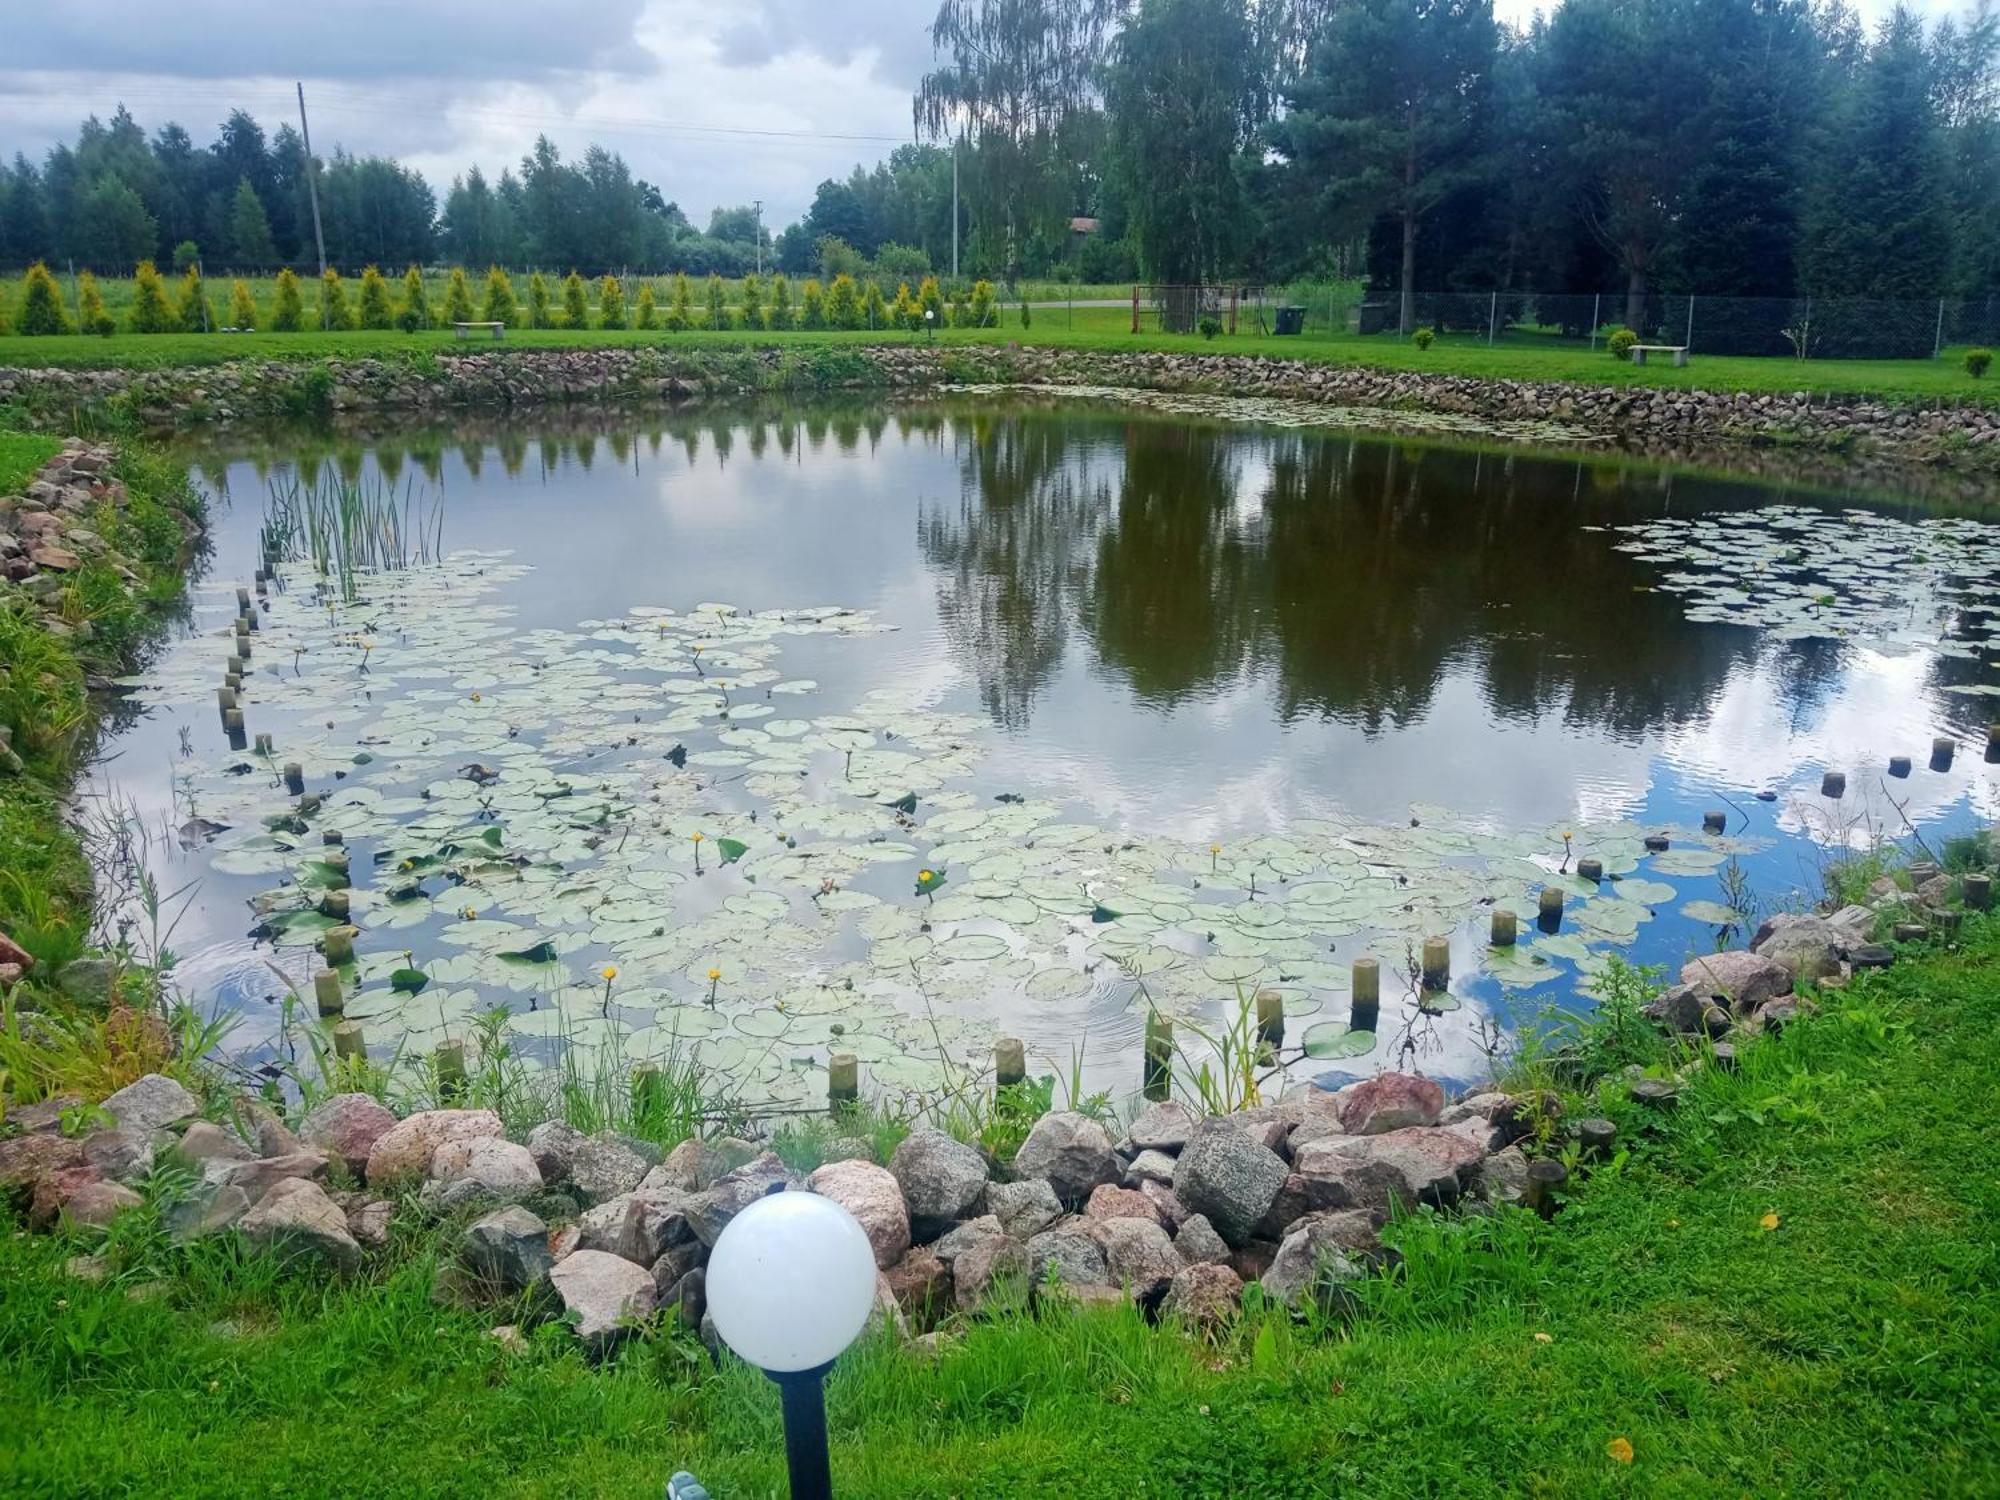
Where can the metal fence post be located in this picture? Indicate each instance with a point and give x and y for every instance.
(1492, 318)
(1937, 343)
(1688, 341)
(1596, 299)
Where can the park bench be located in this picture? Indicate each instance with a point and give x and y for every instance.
(464, 330)
(1678, 351)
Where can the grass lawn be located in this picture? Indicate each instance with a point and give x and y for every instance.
(1097, 330)
(1789, 1285)
(21, 453)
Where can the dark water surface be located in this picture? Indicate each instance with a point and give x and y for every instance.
(1188, 631)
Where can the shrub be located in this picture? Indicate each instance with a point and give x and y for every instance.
(930, 299)
(150, 313)
(753, 301)
(1210, 325)
(576, 303)
(242, 306)
(539, 313)
(288, 311)
(843, 303)
(1423, 338)
(1978, 362)
(837, 257)
(191, 305)
(903, 311)
(1620, 343)
(718, 310)
(185, 255)
(376, 309)
(901, 261)
(610, 303)
(1024, 312)
(42, 309)
(414, 311)
(874, 311)
(812, 306)
(499, 306)
(646, 312)
(982, 308)
(780, 317)
(961, 308)
(457, 297)
(680, 311)
(334, 309)
(91, 311)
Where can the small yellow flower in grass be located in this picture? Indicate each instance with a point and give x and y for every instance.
(1769, 1221)
(1545, 1338)
(1619, 1449)
(609, 971)
(61, 1303)
(1673, 1223)
(214, 1386)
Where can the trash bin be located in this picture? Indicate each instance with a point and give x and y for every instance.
(1291, 320)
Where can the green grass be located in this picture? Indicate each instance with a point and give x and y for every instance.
(1850, 1350)
(21, 454)
(1095, 330)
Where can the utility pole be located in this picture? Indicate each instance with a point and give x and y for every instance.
(759, 206)
(312, 189)
(954, 203)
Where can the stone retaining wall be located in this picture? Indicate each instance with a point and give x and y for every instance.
(1955, 432)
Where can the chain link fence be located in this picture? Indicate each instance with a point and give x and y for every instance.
(1795, 327)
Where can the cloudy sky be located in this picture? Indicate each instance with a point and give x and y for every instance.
(717, 103)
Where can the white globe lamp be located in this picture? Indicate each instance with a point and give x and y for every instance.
(791, 1283)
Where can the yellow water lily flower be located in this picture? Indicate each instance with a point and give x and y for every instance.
(610, 972)
(714, 974)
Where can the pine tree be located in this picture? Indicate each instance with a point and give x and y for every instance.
(718, 310)
(646, 312)
(1025, 320)
(288, 312)
(780, 317)
(414, 310)
(680, 311)
(499, 306)
(903, 311)
(576, 302)
(930, 299)
(335, 313)
(982, 310)
(610, 303)
(92, 314)
(249, 228)
(812, 306)
(457, 297)
(843, 303)
(376, 309)
(42, 309)
(874, 311)
(753, 301)
(242, 306)
(150, 312)
(538, 301)
(191, 310)
(961, 309)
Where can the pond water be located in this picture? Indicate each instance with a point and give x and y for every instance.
(1172, 708)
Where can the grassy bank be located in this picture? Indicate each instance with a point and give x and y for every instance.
(1095, 330)
(1787, 1285)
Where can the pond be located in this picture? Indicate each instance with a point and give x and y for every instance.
(893, 729)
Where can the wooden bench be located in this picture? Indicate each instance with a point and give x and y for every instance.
(1678, 351)
(464, 331)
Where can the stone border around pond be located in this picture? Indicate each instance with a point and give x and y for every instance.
(1960, 432)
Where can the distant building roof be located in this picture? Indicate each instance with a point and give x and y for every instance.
(1081, 225)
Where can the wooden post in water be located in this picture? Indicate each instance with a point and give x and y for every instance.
(1545, 1180)
(1942, 750)
(1437, 963)
(1714, 822)
(263, 745)
(1503, 927)
(232, 725)
(1899, 766)
(225, 697)
(1549, 907)
(326, 991)
(242, 600)
(334, 904)
(1658, 843)
(449, 1064)
(1833, 784)
(339, 945)
(1365, 1000)
(1157, 1076)
(1591, 869)
(349, 1041)
(843, 1080)
(1993, 741)
(1271, 1018)
(1010, 1061)
(295, 778)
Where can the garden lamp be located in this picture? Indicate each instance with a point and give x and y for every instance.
(930, 318)
(791, 1283)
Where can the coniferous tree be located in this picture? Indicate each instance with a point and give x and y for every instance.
(781, 316)
(92, 315)
(499, 305)
(610, 303)
(336, 314)
(457, 297)
(753, 301)
(680, 311)
(874, 311)
(812, 305)
(843, 303)
(539, 314)
(982, 309)
(191, 310)
(242, 306)
(576, 302)
(288, 311)
(42, 310)
(930, 299)
(645, 311)
(250, 242)
(377, 310)
(413, 310)
(718, 309)
(903, 311)
(150, 312)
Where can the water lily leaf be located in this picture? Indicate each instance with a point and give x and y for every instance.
(408, 981)
(731, 850)
(1712, 912)
(1335, 1039)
